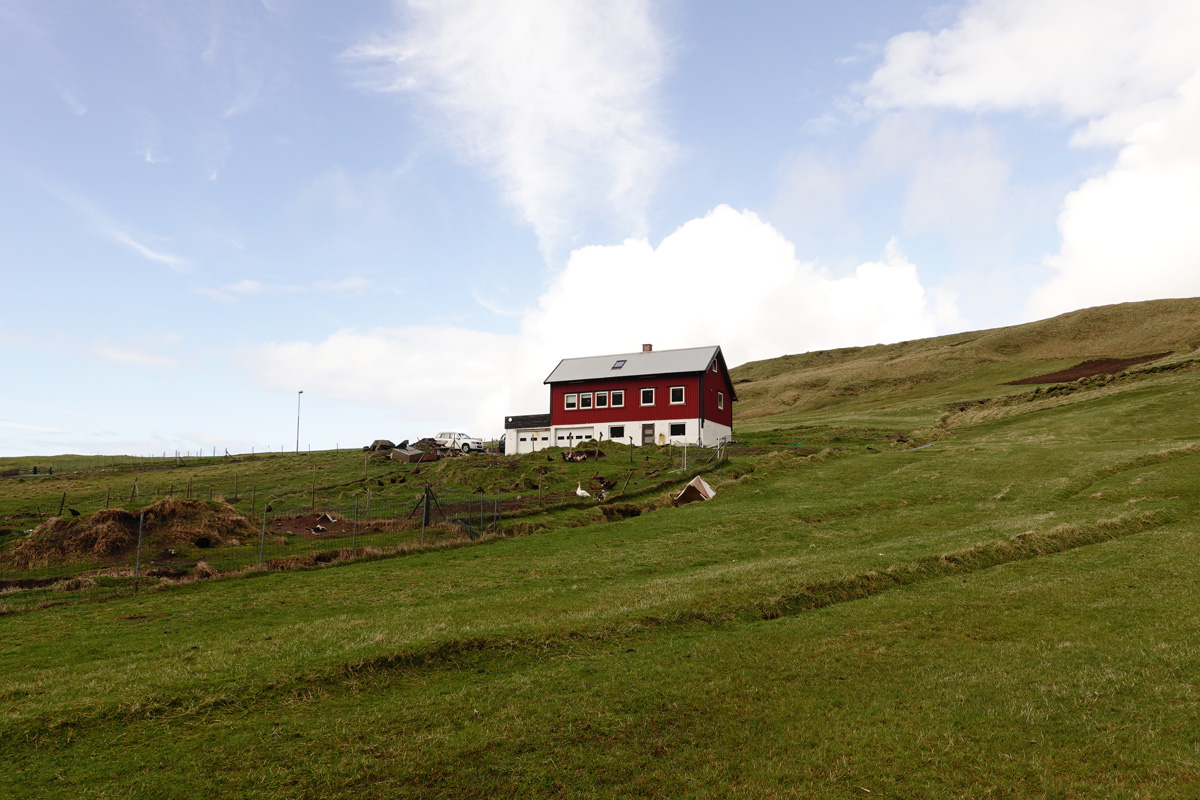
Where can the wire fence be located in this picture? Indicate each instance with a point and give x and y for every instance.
(83, 545)
(174, 540)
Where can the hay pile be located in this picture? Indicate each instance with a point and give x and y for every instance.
(111, 534)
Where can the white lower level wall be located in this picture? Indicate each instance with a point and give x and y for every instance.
(715, 433)
(518, 442)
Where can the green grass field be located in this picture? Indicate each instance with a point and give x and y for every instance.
(1009, 611)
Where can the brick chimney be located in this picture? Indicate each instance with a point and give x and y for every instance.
(646, 348)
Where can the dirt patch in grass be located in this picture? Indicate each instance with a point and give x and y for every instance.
(1086, 369)
(110, 535)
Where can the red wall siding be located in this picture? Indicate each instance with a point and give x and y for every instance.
(714, 382)
(633, 410)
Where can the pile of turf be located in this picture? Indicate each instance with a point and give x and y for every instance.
(111, 534)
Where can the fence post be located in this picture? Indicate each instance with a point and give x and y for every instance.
(424, 513)
(62, 503)
(262, 539)
(354, 533)
(107, 496)
(137, 569)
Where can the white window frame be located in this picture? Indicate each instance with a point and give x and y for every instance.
(720, 401)
(682, 395)
(612, 398)
(613, 428)
(601, 396)
(585, 400)
(642, 397)
(571, 402)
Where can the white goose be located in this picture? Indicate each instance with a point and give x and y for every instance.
(582, 492)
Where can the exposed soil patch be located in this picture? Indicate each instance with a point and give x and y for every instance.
(1086, 369)
(307, 526)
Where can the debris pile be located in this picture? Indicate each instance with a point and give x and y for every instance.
(698, 489)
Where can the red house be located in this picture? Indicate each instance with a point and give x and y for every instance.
(668, 396)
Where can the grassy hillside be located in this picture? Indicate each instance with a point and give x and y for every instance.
(917, 375)
(1009, 611)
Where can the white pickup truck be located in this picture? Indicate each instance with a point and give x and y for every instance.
(459, 441)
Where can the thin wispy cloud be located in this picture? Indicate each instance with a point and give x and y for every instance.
(113, 230)
(172, 261)
(556, 98)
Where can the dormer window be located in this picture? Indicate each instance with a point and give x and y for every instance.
(619, 363)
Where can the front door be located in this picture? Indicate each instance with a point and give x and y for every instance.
(648, 433)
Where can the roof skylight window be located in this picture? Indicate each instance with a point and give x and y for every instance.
(620, 363)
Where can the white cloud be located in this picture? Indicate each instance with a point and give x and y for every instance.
(20, 426)
(727, 278)
(555, 97)
(1134, 233)
(343, 285)
(232, 291)
(426, 373)
(129, 356)
(955, 177)
(1080, 58)
(1129, 74)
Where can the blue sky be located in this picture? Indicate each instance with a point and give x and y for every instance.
(413, 210)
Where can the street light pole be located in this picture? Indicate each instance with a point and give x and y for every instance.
(298, 420)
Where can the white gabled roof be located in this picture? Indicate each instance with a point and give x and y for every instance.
(656, 362)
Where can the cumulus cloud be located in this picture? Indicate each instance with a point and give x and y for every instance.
(1128, 75)
(727, 278)
(555, 97)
